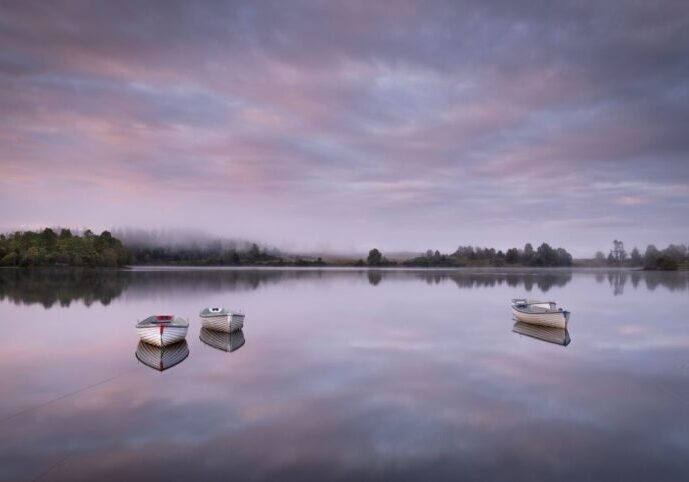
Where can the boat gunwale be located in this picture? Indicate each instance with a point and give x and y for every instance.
(524, 301)
(206, 313)
(151, 321)
(546, 311)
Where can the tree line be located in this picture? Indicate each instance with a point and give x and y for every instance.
(198, 255)
(543, 256)
(669, 259)
(48, 248)
(64, 248)
(216, 254)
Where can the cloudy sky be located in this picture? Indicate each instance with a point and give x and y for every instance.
(342, 125)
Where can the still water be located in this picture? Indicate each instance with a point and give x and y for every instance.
(345, 375)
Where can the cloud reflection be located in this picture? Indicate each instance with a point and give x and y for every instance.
(412, 378)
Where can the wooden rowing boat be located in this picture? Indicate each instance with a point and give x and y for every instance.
(222, 319)
(162, 330)
(544, 313)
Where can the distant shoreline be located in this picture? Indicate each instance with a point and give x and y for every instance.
(88, 249)
(140, 267)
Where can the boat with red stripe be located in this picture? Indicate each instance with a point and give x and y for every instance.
(162, 330)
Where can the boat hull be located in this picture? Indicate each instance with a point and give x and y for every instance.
(555, 319)
(224, 323)
(162, 335)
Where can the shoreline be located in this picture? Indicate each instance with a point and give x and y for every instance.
(487, 269)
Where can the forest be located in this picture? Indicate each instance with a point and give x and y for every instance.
(215, 255)
(62, 247)
(543, 256)
(48, 248)
(673, 257)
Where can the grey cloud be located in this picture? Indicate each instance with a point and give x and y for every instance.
(405, 111)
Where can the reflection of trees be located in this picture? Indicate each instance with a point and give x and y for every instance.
(48, 286)
(146, 283)
(53, 285)
(374, 277)
(617, 280)
(673, 281)
(636, 277)
(544, 280)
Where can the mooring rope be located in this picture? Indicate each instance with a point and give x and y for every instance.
(51, 468)
(61, 397)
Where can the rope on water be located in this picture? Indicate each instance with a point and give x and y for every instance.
(61, 397)
(51, 468)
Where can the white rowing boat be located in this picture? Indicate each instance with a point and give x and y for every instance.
(162, 358)
(544, 313)
(222, 319)
(558, 336)
(228, 342)
(162, 330)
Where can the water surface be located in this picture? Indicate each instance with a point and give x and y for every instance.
(345, 375)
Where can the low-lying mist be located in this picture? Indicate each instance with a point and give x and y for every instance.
(185, 239)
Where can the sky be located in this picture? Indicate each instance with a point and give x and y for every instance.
(346, 125)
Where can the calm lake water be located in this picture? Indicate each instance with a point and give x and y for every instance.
(345, 375)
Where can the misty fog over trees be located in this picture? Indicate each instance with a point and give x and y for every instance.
(64, 247)
(185, 247)
(192, 248)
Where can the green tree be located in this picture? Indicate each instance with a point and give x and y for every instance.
(375, 258)
(527, 253)
(635, 258)
(9, 259)
(545, 256)
(651, 256)
(563, 257)
(254, 253)
(48, 239)
(617, 255)
(666, 263)
(47, 248)
(32, 256)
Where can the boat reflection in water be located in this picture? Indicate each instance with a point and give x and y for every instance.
(558, 336)
(228, 342)
(162, 358)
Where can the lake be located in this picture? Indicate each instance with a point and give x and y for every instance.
(345, 375)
